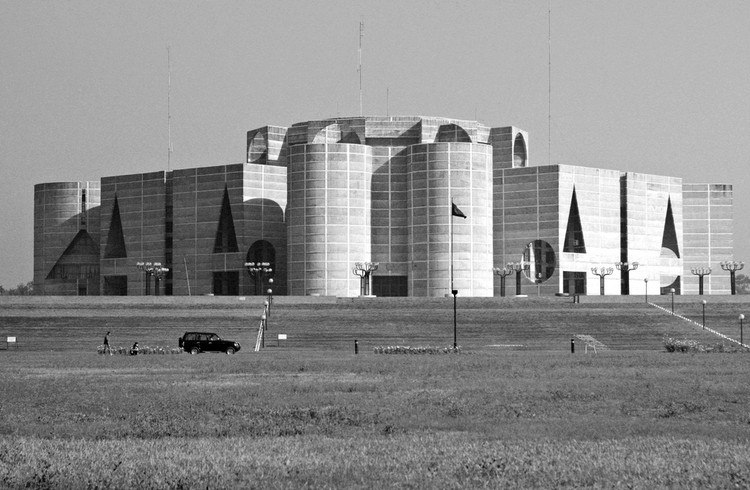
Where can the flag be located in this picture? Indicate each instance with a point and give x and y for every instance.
(457, 212)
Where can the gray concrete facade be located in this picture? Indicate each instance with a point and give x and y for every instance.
(316, 197)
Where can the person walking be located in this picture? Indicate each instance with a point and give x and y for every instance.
(107, 348)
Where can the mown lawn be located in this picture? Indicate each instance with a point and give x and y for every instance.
(315, 415)
(286, 419)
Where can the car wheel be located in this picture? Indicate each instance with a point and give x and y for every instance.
(194, 351)
(230, 351)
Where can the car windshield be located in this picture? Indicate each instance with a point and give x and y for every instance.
(214, 337)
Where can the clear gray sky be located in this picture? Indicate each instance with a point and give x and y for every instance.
(647, 86)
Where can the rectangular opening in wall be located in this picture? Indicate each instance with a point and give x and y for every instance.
(390, 286)
(226, 283)
(115, 285)
(574, 282)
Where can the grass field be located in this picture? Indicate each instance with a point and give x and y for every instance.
(312, 414)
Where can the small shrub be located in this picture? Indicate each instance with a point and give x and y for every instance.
(404, 349)
(686, 345)
(141, 350)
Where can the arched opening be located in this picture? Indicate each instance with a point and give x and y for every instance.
(257, 149)
(519, 151)
(328, 134)
(350, 137)
(262, 256)
(452, 133)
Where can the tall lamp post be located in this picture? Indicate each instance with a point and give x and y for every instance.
(146, 268)
(158, 272)
(602, 272)
(625, 268)
(363, 270)
(152, 269)
(270, 295)
(257, 270)
(700, 272)
(732, 267)
(518, 268)
(503, 273)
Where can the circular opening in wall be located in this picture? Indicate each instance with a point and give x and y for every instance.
(540, 261)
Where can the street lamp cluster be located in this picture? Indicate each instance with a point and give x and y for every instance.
(155, 270)
(518, 268)
(364, 270)
(626, 266)
(503, 273)
(700, 272)
(602, 272)
(257, 270)
(732, 267)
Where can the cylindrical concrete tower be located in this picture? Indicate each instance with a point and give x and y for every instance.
(439, 173)
(328, 217)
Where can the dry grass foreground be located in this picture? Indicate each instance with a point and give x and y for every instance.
(318, 416)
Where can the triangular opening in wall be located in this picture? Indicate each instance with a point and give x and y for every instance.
(226, 238)
(669, 238)
(115, 248)
(79, 260)
(574, 242)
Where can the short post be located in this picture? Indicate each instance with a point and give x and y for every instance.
(263, 335)
(356, 346)
(267, 307)
(672, 292)
(704, 313)
(645, 281)
(573, 345)
(270, 295)
(742, 317)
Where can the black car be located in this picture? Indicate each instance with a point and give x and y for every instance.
(197, 342)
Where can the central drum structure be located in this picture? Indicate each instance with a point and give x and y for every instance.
(328, 218)
(439, 174)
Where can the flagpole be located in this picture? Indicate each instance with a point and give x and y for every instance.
(453, 291)
(451, 226)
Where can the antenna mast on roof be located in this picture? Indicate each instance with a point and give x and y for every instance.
(169, 112)
(359, 69)
(549, 79)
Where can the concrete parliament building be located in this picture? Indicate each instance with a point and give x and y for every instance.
(317, 197)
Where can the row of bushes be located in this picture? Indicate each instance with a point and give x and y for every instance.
(686, 345)
(405, 349)
(141, 350)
